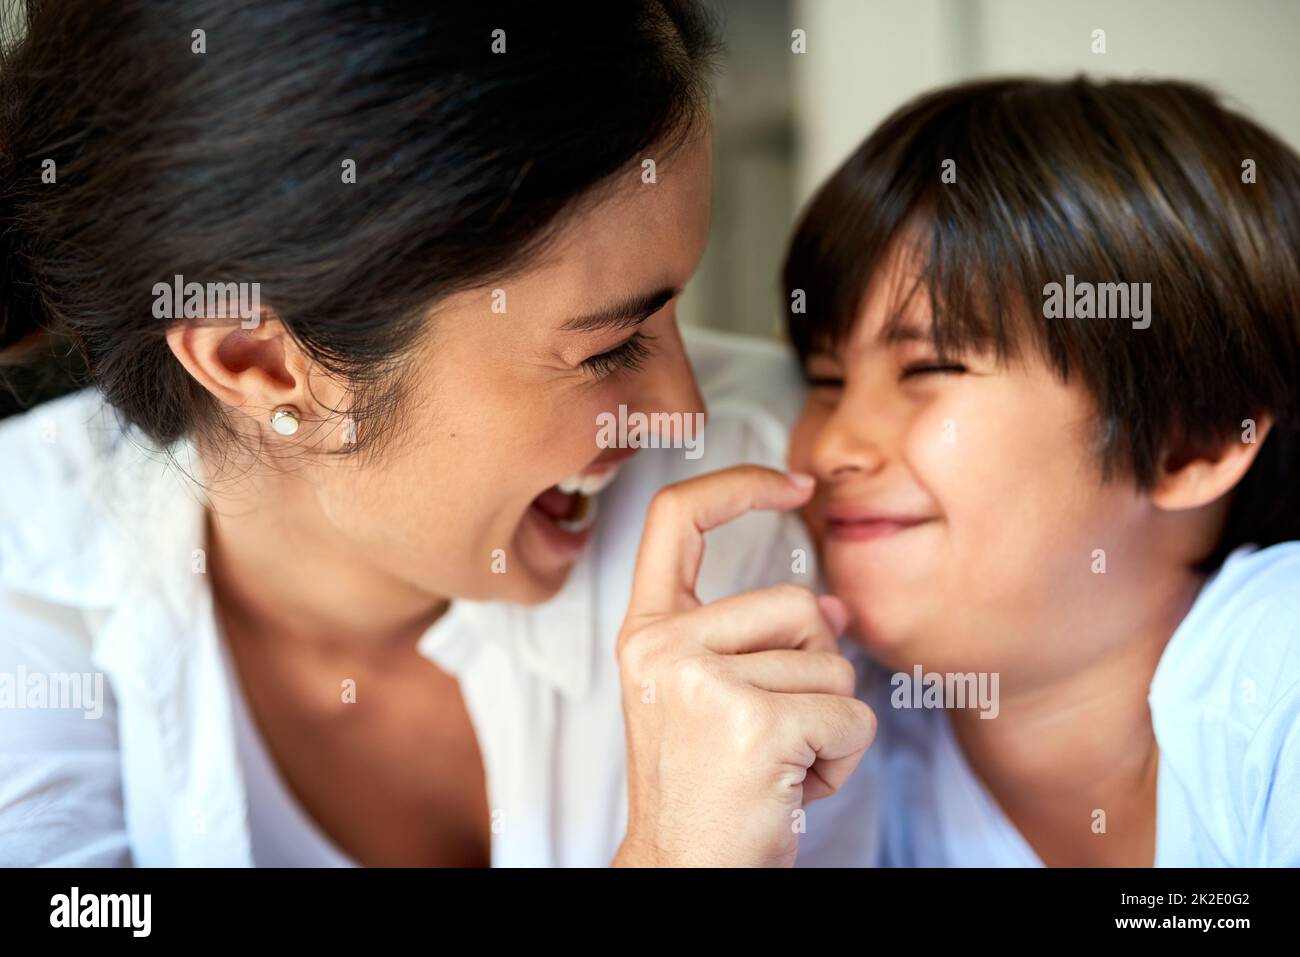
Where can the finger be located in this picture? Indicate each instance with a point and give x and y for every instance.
(787, 671)
(782, 616)
(672, 544)
(835, 732)
(836, 612)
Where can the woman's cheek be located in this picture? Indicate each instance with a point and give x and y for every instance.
(548, 438)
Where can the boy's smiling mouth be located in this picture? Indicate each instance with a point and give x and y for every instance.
(854, 523)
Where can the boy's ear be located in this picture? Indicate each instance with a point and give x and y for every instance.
(1192, 476)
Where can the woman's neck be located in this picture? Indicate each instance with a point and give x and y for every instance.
(285, 571)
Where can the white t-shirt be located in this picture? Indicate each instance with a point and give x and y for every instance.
(102, 573)
(1225, 705)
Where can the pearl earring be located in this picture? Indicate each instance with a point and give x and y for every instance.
(285, 420)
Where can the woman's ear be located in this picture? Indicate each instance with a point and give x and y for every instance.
(1192, 476)
(253, 370)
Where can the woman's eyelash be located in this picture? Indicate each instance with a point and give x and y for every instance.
(825, 382)
(924, 368)
(626, 357)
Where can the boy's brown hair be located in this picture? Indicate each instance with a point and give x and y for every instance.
(1107, 182)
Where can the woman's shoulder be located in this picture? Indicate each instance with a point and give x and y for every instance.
(51, 471)
(60, 776)
(51, 447)
(1225, 703)
(61, 461)
(93, 515)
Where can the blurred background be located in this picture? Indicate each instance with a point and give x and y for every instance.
(785, 120)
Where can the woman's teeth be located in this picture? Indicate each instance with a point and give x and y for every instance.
(584, 488)
(583, 517)
(587, 484)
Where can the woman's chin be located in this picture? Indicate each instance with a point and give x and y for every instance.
(540, 562)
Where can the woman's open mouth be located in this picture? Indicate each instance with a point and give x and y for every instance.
(570, 511)
(566, 512)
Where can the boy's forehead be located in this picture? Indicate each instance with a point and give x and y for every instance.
(895, 307)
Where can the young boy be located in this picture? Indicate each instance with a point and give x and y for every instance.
(1052, 332)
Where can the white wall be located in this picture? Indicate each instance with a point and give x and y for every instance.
(866, 57)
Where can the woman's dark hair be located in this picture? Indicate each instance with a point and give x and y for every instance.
(227, 166)
(1108, 182)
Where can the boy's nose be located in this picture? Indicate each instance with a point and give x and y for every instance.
(844, 447)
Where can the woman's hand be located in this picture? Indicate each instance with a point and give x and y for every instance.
(737, 713)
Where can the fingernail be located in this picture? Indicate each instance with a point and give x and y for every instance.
(836, 612)
(801, 479)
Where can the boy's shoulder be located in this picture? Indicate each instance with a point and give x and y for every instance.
(1242, 636)
(1225, 704)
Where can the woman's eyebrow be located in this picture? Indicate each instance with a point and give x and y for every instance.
(624, 314)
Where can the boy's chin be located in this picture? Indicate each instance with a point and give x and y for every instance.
(900, 648)
(881, 634)
(898, 631)
(896, 653)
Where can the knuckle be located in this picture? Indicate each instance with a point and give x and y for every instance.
(636, 654)
(669, 502)
(644, 640)
(864, 717)
(843, 675)
(799, 595)
(752, 723)
(694, 679)
(629, 655)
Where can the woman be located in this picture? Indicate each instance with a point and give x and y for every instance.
(323, 550)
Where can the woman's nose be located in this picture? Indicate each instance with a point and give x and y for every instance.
(668, 382)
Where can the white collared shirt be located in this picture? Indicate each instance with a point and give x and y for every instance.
(1225, 710)
(101, 572)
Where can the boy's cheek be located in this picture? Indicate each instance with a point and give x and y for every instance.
(944, 447)
(807, 428)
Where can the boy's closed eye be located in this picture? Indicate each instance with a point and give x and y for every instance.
(918, 358)
(823, 372)
(826, 382)
(932, 367)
